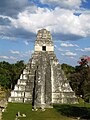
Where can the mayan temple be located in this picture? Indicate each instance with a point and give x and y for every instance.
(43, 82)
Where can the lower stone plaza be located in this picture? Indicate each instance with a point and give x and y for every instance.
(43, 82)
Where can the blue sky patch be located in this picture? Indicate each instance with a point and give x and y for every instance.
(67, 20)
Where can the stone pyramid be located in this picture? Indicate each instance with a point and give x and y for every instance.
(43, 82)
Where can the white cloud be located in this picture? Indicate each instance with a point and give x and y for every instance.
(15, 52)
(68, 45)
(55, 46)
(8, 57)
(26, 42)
(58, 21)
(69, 54)
(12, 58)
(27, 53)
(62, 50)
(64, 3)
(84, 50)
(87, 49)
(4, 57)
(7, 37)
(79, 50)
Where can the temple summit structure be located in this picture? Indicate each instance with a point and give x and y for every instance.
(43, 82)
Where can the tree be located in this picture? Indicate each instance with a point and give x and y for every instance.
(9, 73)
(87, 87)
(5, 77)
(80, 79)
(67, 69)
(84, 60)
(77, 81)
(17, 69)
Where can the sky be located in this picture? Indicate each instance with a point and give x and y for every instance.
(67, 20)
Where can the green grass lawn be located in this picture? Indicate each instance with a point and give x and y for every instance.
(59, 112)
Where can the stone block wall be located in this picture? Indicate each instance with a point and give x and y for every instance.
(43, 82)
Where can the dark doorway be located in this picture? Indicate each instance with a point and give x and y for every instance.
(44, 48)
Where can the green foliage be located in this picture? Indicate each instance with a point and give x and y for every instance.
(9, 73)
(79, 78)
(67, 69)
(80, 81)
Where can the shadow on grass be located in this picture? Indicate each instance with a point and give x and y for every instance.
(73, 111)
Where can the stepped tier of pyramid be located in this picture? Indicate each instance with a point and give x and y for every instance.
(43, 82)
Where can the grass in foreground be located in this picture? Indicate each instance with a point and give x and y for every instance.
(49, 114)
(74, 111)
(59, 112)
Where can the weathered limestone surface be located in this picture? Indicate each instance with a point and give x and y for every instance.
(43, 82)
(0, 115)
